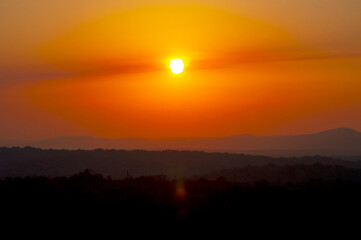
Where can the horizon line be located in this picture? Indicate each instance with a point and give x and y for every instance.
(175, 138)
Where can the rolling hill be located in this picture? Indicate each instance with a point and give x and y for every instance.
(342, 143)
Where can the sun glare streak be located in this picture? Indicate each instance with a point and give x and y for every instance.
(180, 192)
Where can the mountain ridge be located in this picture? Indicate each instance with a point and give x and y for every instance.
(332, 142)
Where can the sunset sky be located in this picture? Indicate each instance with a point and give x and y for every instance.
(101, 68)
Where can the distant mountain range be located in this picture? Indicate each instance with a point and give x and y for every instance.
(340, 142)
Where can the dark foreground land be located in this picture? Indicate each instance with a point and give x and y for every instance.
(176, 190)
(90, 199)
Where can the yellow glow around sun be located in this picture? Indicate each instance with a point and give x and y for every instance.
(176, 65)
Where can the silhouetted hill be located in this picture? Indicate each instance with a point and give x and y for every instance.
(277, 174)
(116, 163)
(341, 142)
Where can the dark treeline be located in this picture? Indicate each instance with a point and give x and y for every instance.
(22, 162)
(90, 198)
(277, 174)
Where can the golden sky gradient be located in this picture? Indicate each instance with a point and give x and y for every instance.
(101, 68)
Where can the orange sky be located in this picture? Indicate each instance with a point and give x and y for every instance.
(102, 69)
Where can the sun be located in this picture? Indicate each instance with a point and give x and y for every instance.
(176, 65)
